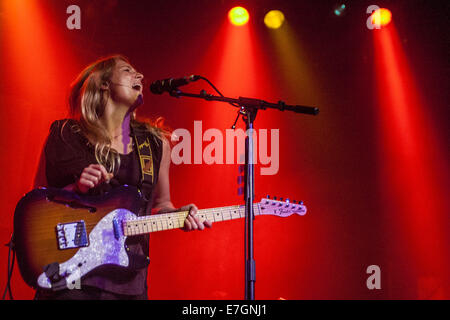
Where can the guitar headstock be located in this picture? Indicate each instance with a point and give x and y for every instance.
(282, 208)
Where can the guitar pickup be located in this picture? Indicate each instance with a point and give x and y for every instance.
(71, 235)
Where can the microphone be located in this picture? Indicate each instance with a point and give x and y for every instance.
(161, 86)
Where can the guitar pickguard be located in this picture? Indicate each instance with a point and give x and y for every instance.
(106, 246)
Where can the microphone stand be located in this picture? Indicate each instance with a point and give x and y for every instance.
(248, 109)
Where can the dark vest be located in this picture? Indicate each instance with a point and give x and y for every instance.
(68, 152)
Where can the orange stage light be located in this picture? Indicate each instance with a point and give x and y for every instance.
(381, 17)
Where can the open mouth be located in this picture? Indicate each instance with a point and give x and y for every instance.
(137, 87)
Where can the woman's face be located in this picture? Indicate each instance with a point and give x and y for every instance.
(125, 84)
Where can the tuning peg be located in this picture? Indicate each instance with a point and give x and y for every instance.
(300, 203)
(268, 197)
(274, 198)
(287, 200)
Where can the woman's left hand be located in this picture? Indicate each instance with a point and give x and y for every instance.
(192, 221)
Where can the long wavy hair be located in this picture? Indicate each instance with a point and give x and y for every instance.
(87, 102)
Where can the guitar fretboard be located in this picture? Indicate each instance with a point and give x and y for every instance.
(173, 220)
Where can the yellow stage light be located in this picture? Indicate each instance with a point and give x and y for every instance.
(238, 16)
(274, 19)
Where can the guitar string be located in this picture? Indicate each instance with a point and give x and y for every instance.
(161, 222)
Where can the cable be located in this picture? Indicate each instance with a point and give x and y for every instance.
(10, 268)
(232, 103)
(217, 90)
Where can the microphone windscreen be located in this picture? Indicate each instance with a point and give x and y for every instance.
(156, 87)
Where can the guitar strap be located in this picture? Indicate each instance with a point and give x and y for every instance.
(144, 151)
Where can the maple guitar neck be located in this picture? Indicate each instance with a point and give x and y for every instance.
(174, 220)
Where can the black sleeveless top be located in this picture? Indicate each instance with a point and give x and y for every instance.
(67, 153)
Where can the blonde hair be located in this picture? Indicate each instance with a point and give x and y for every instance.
(87, 102)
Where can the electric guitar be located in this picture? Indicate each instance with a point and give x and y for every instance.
(60, 236)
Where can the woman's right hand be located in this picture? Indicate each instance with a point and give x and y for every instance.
(92, 176)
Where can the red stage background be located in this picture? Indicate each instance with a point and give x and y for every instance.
(372, 167)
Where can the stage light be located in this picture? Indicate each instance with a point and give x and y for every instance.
(339, 10)
(238, 16)
(274, 19)
(381, 17)
(407, 140)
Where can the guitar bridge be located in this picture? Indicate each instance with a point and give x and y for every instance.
(71, 235)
